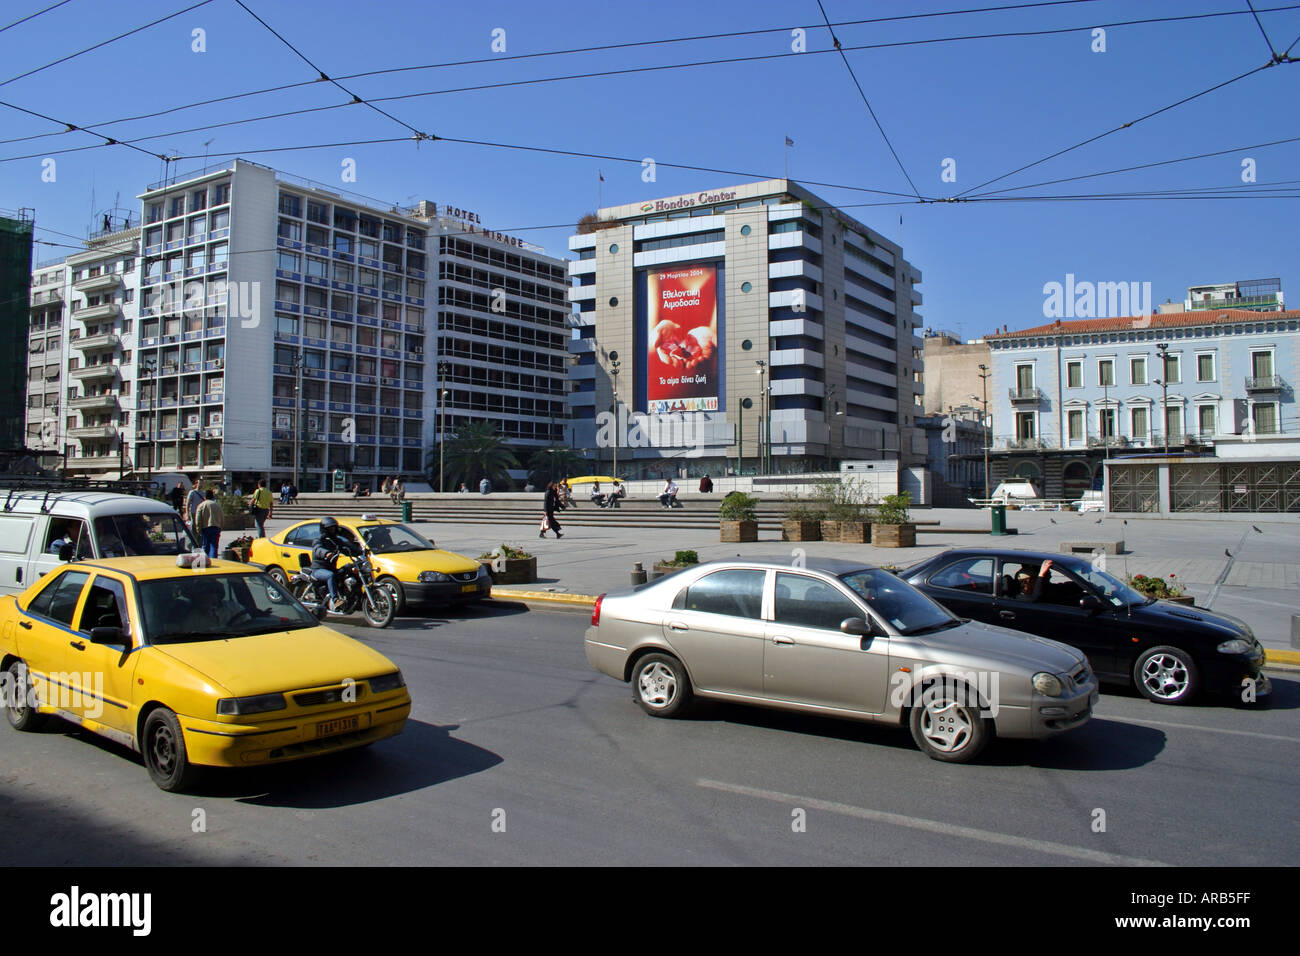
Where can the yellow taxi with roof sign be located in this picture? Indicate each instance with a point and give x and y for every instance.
(415, 569)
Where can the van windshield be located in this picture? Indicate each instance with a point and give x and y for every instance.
(119, 536)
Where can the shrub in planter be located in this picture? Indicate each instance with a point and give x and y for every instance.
(1164, 589)
(234, 512)
(682, 559)
(803, 519)
(892, 527)
(847, 510)
(738, 517)
(510, 565)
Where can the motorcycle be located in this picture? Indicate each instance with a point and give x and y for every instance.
(355, 585)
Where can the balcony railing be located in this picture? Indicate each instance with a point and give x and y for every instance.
(1025, 395)
(107, 340)
(105, 400)
(105, 280)
(98, 313)
(93, 431)
(1264, 383)
(1247, 302)
(1023, 444)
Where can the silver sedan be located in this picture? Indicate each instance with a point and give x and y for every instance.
(840, 639)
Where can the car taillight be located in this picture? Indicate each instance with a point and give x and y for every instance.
(595, 612)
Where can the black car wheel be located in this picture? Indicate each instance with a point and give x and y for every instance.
(1166, 675)
(163, 747)
(19, 697)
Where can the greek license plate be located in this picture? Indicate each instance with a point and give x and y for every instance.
(342, 725)
(468, 588)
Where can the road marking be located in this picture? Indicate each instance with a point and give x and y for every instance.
(932, 826)
(1241, 597)
(1212, 730)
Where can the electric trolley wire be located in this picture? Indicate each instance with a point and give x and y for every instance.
(1271, 50)
(108, 141)
(875, 119)
(33, 16)
(103, 43)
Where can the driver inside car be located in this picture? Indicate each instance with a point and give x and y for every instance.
(209, 610)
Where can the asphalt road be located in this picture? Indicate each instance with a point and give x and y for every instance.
(518, 753)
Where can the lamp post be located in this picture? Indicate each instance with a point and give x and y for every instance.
(443, 369)
(988, 426)
(740, 442)
(149, 367)
(613, 371)
(1163, 382)
(300, 422)
(764, 436)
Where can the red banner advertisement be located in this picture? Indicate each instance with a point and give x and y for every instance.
(682, 340)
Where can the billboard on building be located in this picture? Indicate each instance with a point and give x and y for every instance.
(682, 328)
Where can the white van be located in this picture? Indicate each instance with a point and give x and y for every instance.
(40, 529)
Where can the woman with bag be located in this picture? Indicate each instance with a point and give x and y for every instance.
(550, 504)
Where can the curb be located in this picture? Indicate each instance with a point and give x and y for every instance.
(551, 597)
(1272, 656)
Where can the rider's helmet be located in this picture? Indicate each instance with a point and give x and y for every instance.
(329, 527)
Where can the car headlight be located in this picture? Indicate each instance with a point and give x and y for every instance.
(1238, 645)
(1049, 685)
(240, 706)
(433, 577)
(387, 682)
(483, 571)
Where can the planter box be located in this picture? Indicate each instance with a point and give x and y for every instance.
(239, 522)
(855, 532)
(734, 532)
(893, 535)
(660, 568)
(511, 570)
(1181, 599)
(801, 530)
(830, 530)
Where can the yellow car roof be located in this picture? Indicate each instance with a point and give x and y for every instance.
(152, 567)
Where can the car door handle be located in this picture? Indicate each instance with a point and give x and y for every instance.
(1007, 615)
(79, 645)
(677, 626)
(782, 639)
(27, 625)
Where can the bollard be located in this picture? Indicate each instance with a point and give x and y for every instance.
(1295, 631)
(406, 511)
(998, 517)
(638, 574)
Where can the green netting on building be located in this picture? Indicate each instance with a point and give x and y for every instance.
(15, 288)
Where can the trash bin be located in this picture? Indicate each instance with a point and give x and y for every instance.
(998, 514)
(406, 511)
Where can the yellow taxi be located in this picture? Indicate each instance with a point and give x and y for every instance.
(208, 665)
(413, 567)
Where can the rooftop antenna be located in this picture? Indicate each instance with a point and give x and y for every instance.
(205, 151)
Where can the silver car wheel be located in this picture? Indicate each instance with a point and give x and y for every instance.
(657, 685)
(946, 725)
(1165, 677)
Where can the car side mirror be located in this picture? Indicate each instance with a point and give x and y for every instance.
(65, 552)
(106, 635)
(857, 626)
(1090, 602)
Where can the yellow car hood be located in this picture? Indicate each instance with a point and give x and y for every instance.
(405, 566)
(280, 661)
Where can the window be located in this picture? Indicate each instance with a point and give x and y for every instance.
(1106, 372)
(1106, 422)
(221, 194)
(290, 205)
(1173, 370)
(1024, 378)
(1261, 364)
(177, 207)
(1137, 370)
(318, 268)
(1074, 374)
(58, 599)
(197, 226)
(342, 243)
(1205, 367)
(198, 200)
(969, 574)
(804, 601)
(736, 593)
(1026, 428)
(1205, 416)
(1174, 422)
(1264, 417)
(106, 603)
(1075, 418)
(1138, 417)
(290, 230)
(220, 220)
(318, 212)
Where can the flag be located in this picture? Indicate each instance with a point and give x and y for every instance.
(789, 141)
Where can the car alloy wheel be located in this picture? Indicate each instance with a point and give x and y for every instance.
(1166, 675)
(662, 687)
(946, 724)
(278, 576)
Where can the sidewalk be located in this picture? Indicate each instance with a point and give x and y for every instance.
(1260, 583)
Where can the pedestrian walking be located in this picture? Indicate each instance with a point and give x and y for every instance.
(192, 502)
(208, 518)
(397, 491)
(484, 486)
(551, 504)
(386, 487)
(261, 504)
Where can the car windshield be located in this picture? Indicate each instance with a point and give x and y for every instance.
(387, 538)
(905, 608)
(123, 535)
(1111, 588)
(202, 606)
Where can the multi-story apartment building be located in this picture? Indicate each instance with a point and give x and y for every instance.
(952, 371)
(15, 279)
(1257, 295)
(1066, 396)
(81, 341)
(764, 322)
(287, 330)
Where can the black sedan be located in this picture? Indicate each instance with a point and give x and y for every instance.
(1168, 651)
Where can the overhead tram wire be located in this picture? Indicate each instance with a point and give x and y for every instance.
(103, 43)
(108, 141)
(1272, 51)
(550, 53)
(603, 74)
(1116, 129)
(875, 119)
(33, 16)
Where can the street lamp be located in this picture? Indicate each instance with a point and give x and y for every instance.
(740, 441)
(1163, 382)
(443, 369)
(764, 436)
(613, 371)
(300, 422)
(149, 367)
(988, 426)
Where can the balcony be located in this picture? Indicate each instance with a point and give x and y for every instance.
(1246, 302)
(1025, 396)
(1024, 444)
(47, 298)
(1259, 384)
(105, 280)
(91, 373)
(93, 431)
(98, 313)
(93, 462)
(1107, 441)
(104, 400)
(106, 340)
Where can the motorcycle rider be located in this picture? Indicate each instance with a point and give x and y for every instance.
(325, 555)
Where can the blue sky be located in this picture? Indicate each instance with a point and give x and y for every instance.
(989, 105)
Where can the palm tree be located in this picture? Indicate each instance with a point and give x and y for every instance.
(554, 464)
(476, 450)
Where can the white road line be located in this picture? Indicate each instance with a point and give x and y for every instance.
(1210, 730)
(932, 826)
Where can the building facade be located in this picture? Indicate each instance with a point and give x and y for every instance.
(952, 371)
(751, 324)
(955, 443)
(15, 282)
(1066, 396)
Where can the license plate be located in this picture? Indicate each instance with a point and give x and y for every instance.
(468, 588)
(342, 725)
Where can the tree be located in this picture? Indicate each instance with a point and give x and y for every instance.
(554, 464)
(475, 451)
